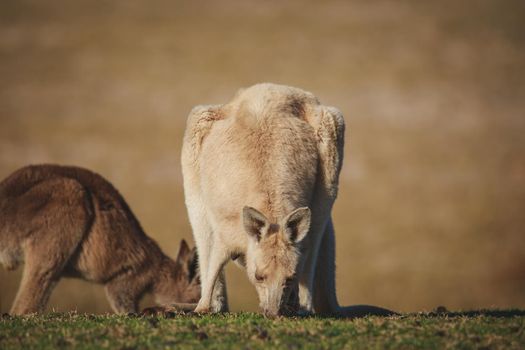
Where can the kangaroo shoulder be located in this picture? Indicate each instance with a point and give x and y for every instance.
(329, 126)
(198, 126)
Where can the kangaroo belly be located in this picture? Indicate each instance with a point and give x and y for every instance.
(93, 261)
(111, 247)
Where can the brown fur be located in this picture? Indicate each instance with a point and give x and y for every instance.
(70, 222)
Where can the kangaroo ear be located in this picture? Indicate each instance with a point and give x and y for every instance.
(184, 252)
(193, 265)
(297, 224)
(255, 223)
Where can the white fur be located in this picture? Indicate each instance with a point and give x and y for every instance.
(274, 148)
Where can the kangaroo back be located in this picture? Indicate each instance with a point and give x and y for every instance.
(32, 199)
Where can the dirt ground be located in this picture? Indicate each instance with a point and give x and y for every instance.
(431, 208)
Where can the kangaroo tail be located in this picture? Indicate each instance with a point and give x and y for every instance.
(325, 298)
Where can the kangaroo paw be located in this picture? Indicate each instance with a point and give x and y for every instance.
(203, 309)
(167, 310)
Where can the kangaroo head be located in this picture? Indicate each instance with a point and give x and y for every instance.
(181, 282)
(273, 255)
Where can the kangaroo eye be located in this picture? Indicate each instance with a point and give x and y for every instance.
(259, 277)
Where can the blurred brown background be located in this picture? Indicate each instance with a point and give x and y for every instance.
(431, 209)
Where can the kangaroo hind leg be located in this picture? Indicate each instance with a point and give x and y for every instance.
(325, 298)
(57, 228)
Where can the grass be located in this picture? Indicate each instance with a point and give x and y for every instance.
(480, 330)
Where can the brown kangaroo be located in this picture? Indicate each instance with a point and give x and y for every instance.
(67, 221)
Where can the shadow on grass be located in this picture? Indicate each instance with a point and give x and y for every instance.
(361, 311)
(475, 313)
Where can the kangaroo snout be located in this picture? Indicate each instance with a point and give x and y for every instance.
(283, 310)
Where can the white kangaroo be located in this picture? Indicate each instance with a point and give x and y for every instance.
(260, 179)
